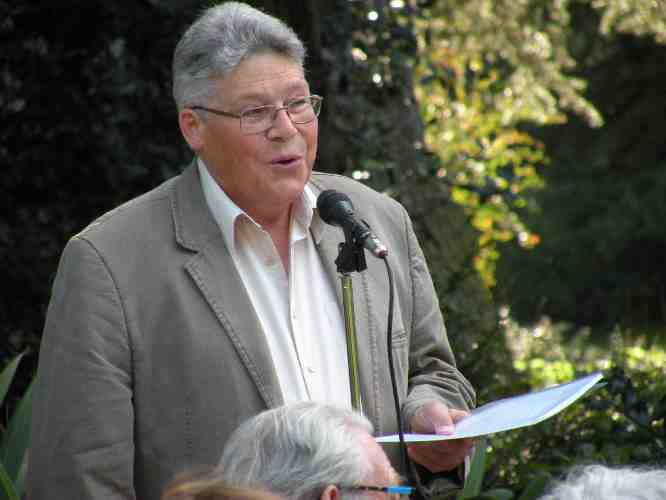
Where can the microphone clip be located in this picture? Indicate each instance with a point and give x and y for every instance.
(351, 254)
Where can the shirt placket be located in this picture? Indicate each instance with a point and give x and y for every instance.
(296, 316)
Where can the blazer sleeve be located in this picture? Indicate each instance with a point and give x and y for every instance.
(82, 425)
(433, 373)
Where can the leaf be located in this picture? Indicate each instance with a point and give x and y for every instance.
(499, 494)
(15, 441)
(7, 376)
(19, 481)
(475, 477)
(536, 488)
(6, 487)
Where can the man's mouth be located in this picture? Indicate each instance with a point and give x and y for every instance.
(285, 160)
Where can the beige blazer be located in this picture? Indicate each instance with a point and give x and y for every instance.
(152, 353)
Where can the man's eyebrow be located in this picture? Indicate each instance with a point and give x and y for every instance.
(260, 96)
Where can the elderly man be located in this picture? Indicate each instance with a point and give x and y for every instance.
(309, 451)
(188, 310)
(301, 451)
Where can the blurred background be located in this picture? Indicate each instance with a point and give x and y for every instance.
(526, 139)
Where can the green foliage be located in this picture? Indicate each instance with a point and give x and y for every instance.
(487, 163)
(479, 81)
(488, 70)
(636, 17)
(473, 489)
(86, 122)
(601, 216)
(474, 480)
(620, 423)
(14, 437)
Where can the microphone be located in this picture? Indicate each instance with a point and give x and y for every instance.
(336, 208)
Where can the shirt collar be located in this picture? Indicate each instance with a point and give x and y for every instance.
(226, 212)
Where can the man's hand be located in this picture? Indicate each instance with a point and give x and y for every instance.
(435, 418)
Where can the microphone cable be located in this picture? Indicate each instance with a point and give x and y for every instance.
(408, 465)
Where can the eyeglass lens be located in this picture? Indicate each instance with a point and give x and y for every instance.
(260, 119)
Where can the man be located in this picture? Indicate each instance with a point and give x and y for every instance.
(309, 451)
(300, 451)
(186, 311)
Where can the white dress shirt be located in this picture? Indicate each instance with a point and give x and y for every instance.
(298, 311)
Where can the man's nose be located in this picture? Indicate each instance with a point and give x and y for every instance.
(282, 125)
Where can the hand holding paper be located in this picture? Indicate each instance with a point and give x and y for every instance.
(435, 418)
(508, 413)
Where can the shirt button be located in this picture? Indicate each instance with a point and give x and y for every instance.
(310, 370)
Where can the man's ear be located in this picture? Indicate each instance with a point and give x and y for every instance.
(331, 493)
(191, 126)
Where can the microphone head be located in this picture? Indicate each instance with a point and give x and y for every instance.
(334, 207)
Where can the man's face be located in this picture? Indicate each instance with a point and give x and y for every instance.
(262, 173)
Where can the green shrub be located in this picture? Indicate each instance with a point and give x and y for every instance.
(14, 437)
(621, 423)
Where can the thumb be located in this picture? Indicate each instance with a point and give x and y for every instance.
(433, 418)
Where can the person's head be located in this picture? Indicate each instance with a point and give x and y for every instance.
(308, 451)
(599, 482)
(205, 485)
(234, 59)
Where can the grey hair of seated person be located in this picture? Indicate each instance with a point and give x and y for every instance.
(599, 482)
(297, 450)
(218, 41)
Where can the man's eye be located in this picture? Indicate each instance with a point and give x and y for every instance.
(299, 103)
(256, 113)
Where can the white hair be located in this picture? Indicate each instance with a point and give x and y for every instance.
(599, 482)
(298, 450)
(218, 41)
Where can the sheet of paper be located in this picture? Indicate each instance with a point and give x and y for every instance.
(511, 413)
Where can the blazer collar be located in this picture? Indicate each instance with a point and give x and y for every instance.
(193, 222)
(213, 271)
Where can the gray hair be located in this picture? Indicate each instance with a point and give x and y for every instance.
(297, 450)
(599, 482)
(218, 41)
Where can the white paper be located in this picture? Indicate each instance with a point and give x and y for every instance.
(511, 413)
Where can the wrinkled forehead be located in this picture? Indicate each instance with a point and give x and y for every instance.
(261, 77)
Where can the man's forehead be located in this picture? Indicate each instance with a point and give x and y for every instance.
(265, 71)
(262, 77)
(263, 85)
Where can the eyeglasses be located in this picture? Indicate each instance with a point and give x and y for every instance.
(257, 120)
(391, 490)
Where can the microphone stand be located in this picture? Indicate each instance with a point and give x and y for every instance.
(351, 258)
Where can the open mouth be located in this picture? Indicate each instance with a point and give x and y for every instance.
(286, 161)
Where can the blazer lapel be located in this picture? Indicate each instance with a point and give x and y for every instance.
(215, 274)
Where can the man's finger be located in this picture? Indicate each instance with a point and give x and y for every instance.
(433, 417)
(442, 455)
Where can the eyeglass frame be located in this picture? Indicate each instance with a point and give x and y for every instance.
(391, 490)
(316, 107)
